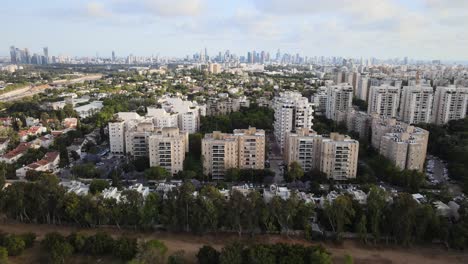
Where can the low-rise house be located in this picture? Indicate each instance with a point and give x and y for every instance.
(13, 155)
(70, 123)
(282, 192)
(50, 163)
(32, 131)
(76, 187)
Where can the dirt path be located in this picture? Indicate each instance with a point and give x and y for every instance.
(190, 244)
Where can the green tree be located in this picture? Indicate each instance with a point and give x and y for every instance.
(3, 255)
(361, 229)
(260, 254)
(295, 172)
(340, 213)
(208, 255)
(232, 174)
(156, 173)
(125, 248)
(232, 254)
(403, 217)
(153, 251)
(98, 185)
(57, 247)
(376, 202)
(15, 245)
(176, 258)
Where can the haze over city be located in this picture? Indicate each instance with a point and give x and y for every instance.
(422, 29)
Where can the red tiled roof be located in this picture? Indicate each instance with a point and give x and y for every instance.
(21, 148)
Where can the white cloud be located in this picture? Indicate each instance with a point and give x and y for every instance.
(96, 9)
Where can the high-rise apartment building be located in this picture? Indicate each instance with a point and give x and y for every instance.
(384, 100)
(251, 148)
(188, 113)
(403, 144)
(303, 147)
(167, 148)
(339, 157)
(244, 149)
(363, 88)
(450, 103)
(416, 104)
(292, 112)
(340, 99)
(335, 156)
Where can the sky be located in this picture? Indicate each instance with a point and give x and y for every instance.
(423, 29)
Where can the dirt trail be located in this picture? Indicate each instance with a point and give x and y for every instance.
(190, 244)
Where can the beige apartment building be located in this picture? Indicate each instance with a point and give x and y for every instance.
(450, 103)
(403, 144)
(167, 148)
(339, 157)
(244, 149)
(336, 156)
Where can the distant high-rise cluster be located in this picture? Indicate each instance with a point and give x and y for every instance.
(23, 56)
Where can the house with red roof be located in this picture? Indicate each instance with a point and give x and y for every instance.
(13, 155)
(50, 163)
(32, 131)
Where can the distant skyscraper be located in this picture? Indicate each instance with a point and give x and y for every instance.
(13, 55)
(113, 56)
(46, 55)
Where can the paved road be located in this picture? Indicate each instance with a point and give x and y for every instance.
(275, 158)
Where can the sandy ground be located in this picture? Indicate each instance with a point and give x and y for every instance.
(191, 243)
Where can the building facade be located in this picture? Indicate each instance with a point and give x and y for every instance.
(340, 99)
(450, 103)
(384, 100)
(244, 149)
(167, 148)
(416, 104)
(336, 156)
(292, 112)
(405, 145)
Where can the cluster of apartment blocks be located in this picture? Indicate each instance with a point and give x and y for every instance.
(397, 140)
(336, 156)
(411, 104)
(162, 135)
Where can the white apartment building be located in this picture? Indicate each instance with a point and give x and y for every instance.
(319, 100)
(292, 112)
(359, 122)
(403, 144)
(244, 149)
(117, 129)
(167, 148)
(384, 100)
(188, 113)
(363, 88)
(340, 99)
(161, 118)
(450, 103)
(339, 157)
(416, 104)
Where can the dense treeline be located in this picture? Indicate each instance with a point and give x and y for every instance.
(44, 201)
(254, 116)
(398, 220)
(238, 253)
(450, 142)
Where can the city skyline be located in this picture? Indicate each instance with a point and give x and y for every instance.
(392, 28)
